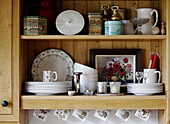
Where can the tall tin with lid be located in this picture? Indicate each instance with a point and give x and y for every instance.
(95, 23)
(115, 26)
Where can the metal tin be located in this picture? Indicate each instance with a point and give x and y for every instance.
(35, 25)
(95, 23)
(113, 28)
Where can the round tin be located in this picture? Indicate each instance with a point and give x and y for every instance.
(113, 28)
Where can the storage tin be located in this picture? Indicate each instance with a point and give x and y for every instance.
(113, 28)
(95, 23)
(35, 25)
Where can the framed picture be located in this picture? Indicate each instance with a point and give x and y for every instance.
(116, 64)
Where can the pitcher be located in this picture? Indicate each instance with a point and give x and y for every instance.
(147, 13)
(151, 76)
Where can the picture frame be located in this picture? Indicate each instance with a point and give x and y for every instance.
(99, 59)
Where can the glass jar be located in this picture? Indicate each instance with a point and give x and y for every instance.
(95, 23)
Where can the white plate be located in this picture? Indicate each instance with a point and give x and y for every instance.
(143, 86)
(69, 22)
(145, 92)
(47, 87)
(46, 92)
(146, 88)
(58, 83)
(53, 60)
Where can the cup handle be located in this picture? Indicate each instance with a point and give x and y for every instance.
(156, 12)
(56, 76)
(159, 75)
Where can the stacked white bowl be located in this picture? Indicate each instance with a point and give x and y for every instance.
(48, 88)
(89, 78)
(145, 88)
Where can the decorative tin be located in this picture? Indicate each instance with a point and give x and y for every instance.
(35, 25)
(95, 23)
(113, 28)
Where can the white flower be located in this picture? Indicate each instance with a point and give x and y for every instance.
(110, 64)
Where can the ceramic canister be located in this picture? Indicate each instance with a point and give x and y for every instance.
(113, 28)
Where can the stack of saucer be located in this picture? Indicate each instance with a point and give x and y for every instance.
(48, 88)
(145, 89)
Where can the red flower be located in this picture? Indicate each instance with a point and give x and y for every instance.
(125, 60)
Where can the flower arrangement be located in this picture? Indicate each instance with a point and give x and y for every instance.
(115, 68)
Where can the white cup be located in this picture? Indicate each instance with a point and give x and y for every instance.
(49, 76)
(151, 76)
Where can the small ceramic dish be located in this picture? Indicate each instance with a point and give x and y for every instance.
(88, 92)
(71, 93)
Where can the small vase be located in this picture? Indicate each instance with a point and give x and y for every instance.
(114, 78)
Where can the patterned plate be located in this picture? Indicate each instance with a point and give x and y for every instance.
(69, 22)
(53, 60)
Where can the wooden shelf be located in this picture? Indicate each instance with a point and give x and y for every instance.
(93, 102)
(94, 37)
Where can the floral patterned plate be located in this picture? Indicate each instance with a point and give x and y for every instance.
(53, 60)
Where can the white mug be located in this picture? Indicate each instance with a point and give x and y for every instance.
(151, 76)
(49, 76)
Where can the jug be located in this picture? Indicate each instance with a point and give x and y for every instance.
(147, 13)
(151, 76)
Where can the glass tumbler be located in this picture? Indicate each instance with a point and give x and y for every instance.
(101, 87)
(114, 87)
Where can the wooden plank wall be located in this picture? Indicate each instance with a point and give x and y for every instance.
(79, 50)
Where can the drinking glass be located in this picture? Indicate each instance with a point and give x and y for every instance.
(139, 76)
(145, 76)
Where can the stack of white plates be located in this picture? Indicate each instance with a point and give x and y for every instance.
(145, 89)
(48, 88)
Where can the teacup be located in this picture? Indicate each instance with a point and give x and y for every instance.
(49, 76)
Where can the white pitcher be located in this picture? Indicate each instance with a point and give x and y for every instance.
(151, 76)
(147, 13)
